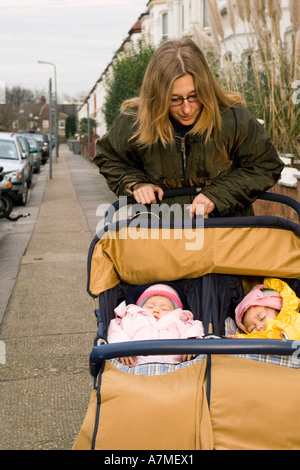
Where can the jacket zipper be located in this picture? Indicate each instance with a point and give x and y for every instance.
(183, 155)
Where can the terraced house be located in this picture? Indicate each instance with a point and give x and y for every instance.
(226, 28)
(253, 47)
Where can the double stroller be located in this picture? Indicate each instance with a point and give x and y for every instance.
(236, 393)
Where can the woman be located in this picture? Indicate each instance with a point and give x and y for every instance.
(185, 130)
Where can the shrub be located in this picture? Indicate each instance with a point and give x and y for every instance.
(126, 80)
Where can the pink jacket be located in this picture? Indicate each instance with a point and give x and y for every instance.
(133, 323)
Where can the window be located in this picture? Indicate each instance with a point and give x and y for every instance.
(165, 29)
(45, 124)
(205, 14)
(61, 124)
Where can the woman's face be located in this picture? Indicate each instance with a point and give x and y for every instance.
(187, 112)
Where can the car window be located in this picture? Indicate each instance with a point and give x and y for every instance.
(19, 146)
(32, 143)
(8, 150)
(42, 137)
(23, 144)
(39, 137)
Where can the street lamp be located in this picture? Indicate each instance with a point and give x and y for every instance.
(56, 109)
(50, 126)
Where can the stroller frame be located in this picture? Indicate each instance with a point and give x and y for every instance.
(214, 346)
(106, 276)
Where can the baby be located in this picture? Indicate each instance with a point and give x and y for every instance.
(157, 314)
(260, 304)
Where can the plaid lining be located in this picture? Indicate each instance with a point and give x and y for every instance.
(155, 368)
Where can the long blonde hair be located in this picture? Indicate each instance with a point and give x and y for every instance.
(172, 60)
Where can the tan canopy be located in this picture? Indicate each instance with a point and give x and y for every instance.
(141, 255)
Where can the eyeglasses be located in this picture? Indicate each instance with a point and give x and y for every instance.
(180, 100)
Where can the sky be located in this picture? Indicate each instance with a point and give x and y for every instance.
(79, 36)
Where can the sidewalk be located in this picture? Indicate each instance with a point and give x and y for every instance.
(48, 327)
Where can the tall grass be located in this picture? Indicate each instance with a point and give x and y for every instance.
(267, 72)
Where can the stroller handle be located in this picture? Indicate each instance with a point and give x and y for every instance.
(204, 346)
(192, 191)
(281, 198)
(128, 200)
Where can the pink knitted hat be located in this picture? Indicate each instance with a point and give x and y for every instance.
(259, 296)
(160, 289)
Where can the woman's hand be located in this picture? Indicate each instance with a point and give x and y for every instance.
(201, 205)
(144, 193)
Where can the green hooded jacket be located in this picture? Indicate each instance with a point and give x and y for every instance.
(232, 173)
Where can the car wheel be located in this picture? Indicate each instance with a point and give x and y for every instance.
(29, 180)
(24, 197)
(6, 205)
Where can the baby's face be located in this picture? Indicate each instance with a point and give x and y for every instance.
(255, 318)
(158, 306)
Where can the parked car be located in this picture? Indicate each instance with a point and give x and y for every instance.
(15, 165)
(36, 152)
(42, 138)
(26, 151)
(6, 197)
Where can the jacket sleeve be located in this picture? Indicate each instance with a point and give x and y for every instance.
(118, 158)
(256, 166)
(193, 330)
(116, 333)
(187, 326)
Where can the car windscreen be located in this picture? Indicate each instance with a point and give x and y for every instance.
(32, 143)
(8, 150)
(38, 137)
